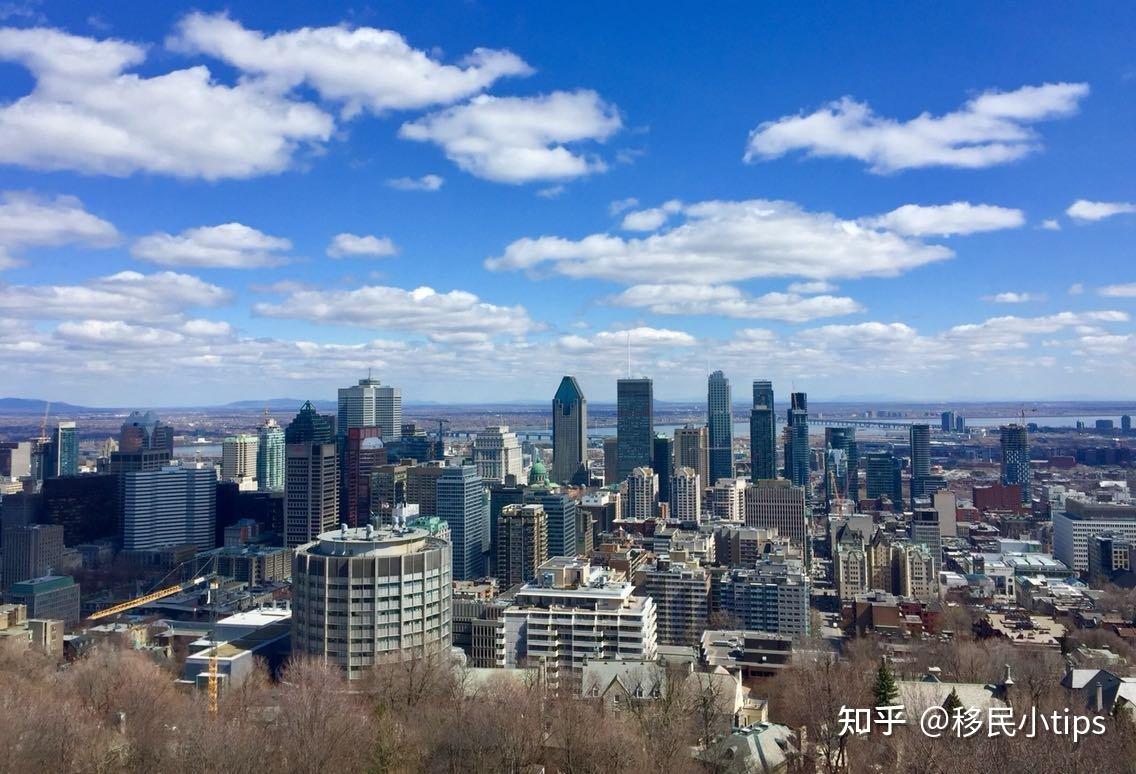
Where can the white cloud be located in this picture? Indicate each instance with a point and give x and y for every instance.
(87, 114)
(724, 241)
(619, 205)
(441, 316)
(641, 338)
(343, 245)
(728, 301)
(424, 183)
(364, 68)
(993, 128)
(551, 192)
(116, 333)
(228, 246)
(947, 219)
(520, 139)
(28, 220)
(811, 287)
(1076, 289)
(1049, 224)
(1126, 290)
(651, 219)
(1084, 210)
(1014, 297)
(127, 295)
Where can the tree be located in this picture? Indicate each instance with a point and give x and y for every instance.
(884, 690)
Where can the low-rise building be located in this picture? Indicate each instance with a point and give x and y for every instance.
(52, 596)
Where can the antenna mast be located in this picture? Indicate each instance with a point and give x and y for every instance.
(629, 354)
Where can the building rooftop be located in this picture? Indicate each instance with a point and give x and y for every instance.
(40, 585)
(369, 541)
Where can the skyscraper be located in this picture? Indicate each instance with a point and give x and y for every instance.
(635, 424)
(662, 458)
(143, 431)
(841, 465)
(363, 452)
(920, 460)
(762, 433)
(238, 457)
(692, 451)
(797, 441)
(369, 404)
(64, 452)
(686, 496)
(311, 480)
(461, 504)
(1015, 458)
(611, 460)
(522, 544)
(884, 477)
(497, 454)
(947, 421)
(569, 433)
(719, 423)
(172, 506)
(561, 512)
(780, 505)
(270, 456)
(642, 494)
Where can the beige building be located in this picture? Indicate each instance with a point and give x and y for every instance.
(778, 504)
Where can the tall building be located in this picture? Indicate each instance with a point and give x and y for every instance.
(635, 424)
(1126, 423)
(392, 601)
(924, 529)
(662, 462)
(682, 602)
(611, 460)
(642, 494)
(62, 452)
(762, 433)
(1081, 521)
(15, 459)
(728, 499)
(30, 551)
(363, 452)
(778, 504)
(771, 597)
(797, 441)
(175, 505)
(270, 457)
(370, 404)
(686, 496)
(692, 450)
(719, 424)
(461, 504)
(841, 465)
(522, 544)
(884, 477)
(920, 460)
(561, 512)
(143, 431)
(422, 487)
(569, 433)
(497, 454)
(238, 458)
(947, 421)
(1016, 459)
(311, 478)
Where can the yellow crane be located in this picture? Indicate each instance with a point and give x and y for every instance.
(153, 596)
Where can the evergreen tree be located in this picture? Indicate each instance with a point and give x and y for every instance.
(952, 702)
(885, 690)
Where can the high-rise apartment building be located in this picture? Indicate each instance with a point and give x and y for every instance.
(61, 454)
(497, 454)
(771, 597)
(719, 424)
(692, 450)
(778, 504)
(686, 496)
(681, 594)
(238, 458)
(642, 494)
(311, 478)
(924, 529)
(270, 457)
(569, 433)
(370, 404)
(797, 441)
(175, 505)
(635, 424)
(662, 462)
(461, 503)
(762, 433)
(947, 421)
(920, 460)
(1016, 459)
(728, 499)
(521, 544)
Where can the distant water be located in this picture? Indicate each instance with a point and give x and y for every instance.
(206, 450)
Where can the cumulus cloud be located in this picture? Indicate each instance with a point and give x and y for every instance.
(1014, 297)
(520, 139)
(620, 205)
(441, 316)
(728, 241)
(127, 295)
(28, 220)
(729, 301)
(993, 128)
(641, 338)
(650, 219)
(86, 113)
(363, 68)
(343, 245)
(811, 287)
(1086, 211)
(228, 246)
(1049, 224)
(1076, 289)
(424, 183)
(947, 219)
(1124, 290)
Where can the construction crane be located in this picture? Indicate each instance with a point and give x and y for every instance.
(442, 424)
(214, 584)
(43, 438)
(153, 596)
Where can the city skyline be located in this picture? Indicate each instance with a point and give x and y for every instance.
(871, 223)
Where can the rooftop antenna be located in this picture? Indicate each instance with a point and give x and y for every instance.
(629, 354)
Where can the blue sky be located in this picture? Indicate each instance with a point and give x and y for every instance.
(265, 199)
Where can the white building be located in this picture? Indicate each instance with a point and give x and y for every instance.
(238, 459)
(686, 496)
(497, 453)
(1080, 521)
(642, 494)
(729, 499)
(917, 573)
(369, 404)
(778, 504)
(173, 506)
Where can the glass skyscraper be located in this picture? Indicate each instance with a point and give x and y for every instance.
(635, 425)
(1015, 459)
(920, 460)
(270, 457)
(797, 443)
(662, 462)
(762, 433)
(841, 464)
(569, 433)
(719, 421)
(461, 503)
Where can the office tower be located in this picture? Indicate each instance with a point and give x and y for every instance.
(392, 603)
(497, 454)
(30, 551)
(61, 453)
(920, 460)
(53, 597)
(960, 423)
(762, 433)
(238, 458)
(662, 462)
(1109, 553)
(692, 450)
(363, 451)
(522, 544)
(611, 460)
(642, 494)
(176, 505)
(561, 512)
(771, 597)
(578, 611)
(924, 529)
(797, 441)
(86, 506)
(1126, 423)
(1081, 521)
(461, 504)
(143, 431)
(884, 477)
(841, 465)
(369, 404)
(15, 459)
(311, 478)
(682, 602)
(422, 487)
(635, 425)
(946, 504)
(1015, 459)
(388, 489)
(947, 421)
(501, 495)
(270, 457)
(719, 424)
(686, 496)
(778, 504)
(570, 434)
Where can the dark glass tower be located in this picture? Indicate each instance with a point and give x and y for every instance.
(569, 433)
(884, 477)
(762, 433)
(719, 422)
(920, 460)
(797, 441)
(841, 464)
(635, 424)
(662, 462)
(1015, 458)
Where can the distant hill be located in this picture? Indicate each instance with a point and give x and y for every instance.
(280, 404)
(36, 406)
